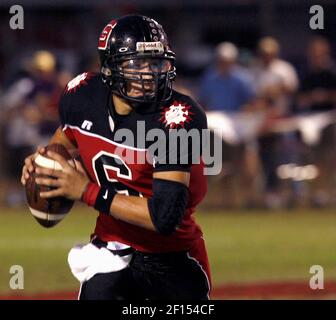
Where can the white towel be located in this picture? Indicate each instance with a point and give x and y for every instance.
(87, 260)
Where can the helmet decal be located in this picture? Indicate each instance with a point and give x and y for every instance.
(104, 36)
(150, 46)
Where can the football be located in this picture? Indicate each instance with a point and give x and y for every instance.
(48, 212)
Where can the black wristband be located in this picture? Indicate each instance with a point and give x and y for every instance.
(104, 199)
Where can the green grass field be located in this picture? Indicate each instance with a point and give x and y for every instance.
(243, 246)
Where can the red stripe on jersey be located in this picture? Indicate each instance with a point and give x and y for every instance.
(68, 132)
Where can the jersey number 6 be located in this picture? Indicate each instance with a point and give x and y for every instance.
(103, 162)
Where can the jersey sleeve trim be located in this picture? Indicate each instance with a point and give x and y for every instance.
(70, 135)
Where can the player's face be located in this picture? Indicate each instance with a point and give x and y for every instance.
(141, 74)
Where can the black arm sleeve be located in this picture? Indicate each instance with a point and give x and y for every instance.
(168, 205)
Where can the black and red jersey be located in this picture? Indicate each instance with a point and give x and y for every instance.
(90, 122)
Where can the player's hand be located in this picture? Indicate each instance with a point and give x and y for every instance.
(70, 182)
(28, 165)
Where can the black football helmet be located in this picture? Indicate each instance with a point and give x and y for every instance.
(136, 60)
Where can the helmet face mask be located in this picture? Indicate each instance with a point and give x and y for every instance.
(145, 79)
(134, 66)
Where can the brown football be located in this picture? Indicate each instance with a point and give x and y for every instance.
(48, 212)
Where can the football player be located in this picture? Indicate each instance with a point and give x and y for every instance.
(145, 207)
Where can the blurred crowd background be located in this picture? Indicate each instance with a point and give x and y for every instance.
(255, 66)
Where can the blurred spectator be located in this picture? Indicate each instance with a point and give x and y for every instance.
(318, 86)
(318, 94)
(226, 86)
(276, 81)
(31, 113)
